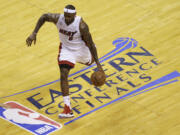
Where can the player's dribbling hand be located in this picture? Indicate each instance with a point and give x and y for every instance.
(30, 39)
(100, 68)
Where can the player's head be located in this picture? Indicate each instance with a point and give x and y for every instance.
(69, 13)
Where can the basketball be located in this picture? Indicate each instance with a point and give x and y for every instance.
(98, 78)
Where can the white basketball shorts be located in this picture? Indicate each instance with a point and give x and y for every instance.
(71, 57)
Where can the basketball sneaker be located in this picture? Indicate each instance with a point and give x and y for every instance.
(67, 113)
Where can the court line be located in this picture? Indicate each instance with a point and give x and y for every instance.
(127, 96)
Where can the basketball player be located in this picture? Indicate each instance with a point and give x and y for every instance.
(76, 46)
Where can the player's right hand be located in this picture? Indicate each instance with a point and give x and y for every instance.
(30, 39)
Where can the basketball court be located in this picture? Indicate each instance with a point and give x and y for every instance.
(138, 45)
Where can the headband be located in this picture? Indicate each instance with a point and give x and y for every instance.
(69, 10)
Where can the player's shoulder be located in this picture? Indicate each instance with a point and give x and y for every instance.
(53, 17)
(83, 24)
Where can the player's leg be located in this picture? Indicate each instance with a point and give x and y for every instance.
(66, 61)
(84, 56)
(64, 71)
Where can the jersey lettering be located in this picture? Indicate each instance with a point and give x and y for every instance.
(68, 33)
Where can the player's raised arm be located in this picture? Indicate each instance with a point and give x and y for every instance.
(49, 17)
(86, 36)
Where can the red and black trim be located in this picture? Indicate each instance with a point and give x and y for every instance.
(64, 61)
(60, 47)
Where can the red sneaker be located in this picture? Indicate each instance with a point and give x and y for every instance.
(67, 113)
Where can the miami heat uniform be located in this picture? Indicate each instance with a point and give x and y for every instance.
(72, 48)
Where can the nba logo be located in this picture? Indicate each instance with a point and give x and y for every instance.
(28, 119)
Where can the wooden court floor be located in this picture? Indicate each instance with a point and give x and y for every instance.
(141, 96)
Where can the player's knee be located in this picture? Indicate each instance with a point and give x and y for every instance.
(64, 73)
(66, 66)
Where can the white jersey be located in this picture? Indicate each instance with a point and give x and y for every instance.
(70, 35)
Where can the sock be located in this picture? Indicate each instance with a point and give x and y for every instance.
(67, 101)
